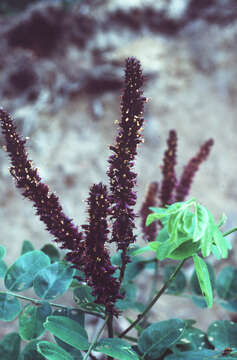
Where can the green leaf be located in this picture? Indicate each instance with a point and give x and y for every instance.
(185, 250)
(221, 243)
(201, 222)
(216, 252)
(168, 211)
(30, 352)
(204, 354)
(75, 281)
(226, 283)
(173, 222)
(20, 275)
(151, 218)
(187, 222)
(193, 339)
(194, 283)
(83, 294)
(158, 337)
(204, 279)
(178, 285)
(222, 220)
(10, 307)
(10, 346)
(229, 305)
(206, 241)
(116, 348)
(223, 334)
(141, 250)
(3, 269)
(52, 351)
(199, 301)
(172, 247)
(77, 316)
(52, 252)
(2, 251)
(163, 250)
(31, 320)
(129, 301)
(133, 269)
(163, 234)
(85, 300)
(27, 246)
(53, 280)
(68, 331)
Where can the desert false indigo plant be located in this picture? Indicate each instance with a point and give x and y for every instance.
(104, 285)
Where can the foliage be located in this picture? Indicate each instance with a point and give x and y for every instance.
(105, 286)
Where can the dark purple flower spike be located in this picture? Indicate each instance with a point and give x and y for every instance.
(168, 170)
(27, 179)
(183, 187)
(149, 232)
(122, 178)
(96, 261)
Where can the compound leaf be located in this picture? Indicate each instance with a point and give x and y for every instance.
(10, 307)
(226, 283)
(223, 334)
(116, 348)
(52, 351)
(203, 279)
(21, 273)
(53, 280)
(31, 320)
(158, 337)
(68, 331)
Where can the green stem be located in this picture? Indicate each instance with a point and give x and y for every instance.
(110, 326)
(110, 330)
(36, 302)
(154, 300)
(130, 338)
(95, 339)
(149, 261)
(230, 231)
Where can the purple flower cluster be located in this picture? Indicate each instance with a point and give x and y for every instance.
(172, 190)
(185, 182)
(27, 179)
(87, 249)
(168, 170)
(149, 232)
(96, 261)
(122, 178)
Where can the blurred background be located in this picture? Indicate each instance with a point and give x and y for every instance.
(61, 75)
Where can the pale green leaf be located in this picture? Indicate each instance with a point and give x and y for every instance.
(204, 279)
(201, 222)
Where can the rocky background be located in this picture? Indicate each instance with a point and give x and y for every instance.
(61, 72)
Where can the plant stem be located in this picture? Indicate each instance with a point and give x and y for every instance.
(230, 231)
(110, 326)
(110, 330)
(36, 302)
(154, 300)
(130, 338)
(123, 266)
(95, 339)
